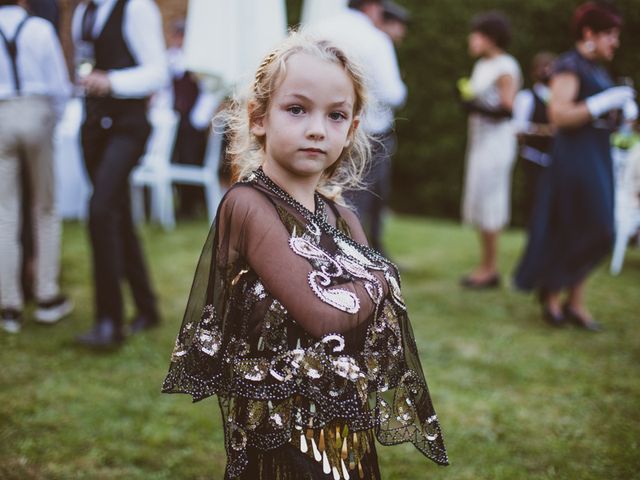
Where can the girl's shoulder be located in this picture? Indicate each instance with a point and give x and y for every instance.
(245, 198)
(240, 192)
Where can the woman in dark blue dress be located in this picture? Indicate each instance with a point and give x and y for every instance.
(572, 224)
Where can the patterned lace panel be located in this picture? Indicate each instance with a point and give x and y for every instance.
(277, 383)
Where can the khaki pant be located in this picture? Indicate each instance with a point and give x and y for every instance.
(26, 133)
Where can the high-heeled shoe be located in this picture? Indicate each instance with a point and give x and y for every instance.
(578, 320)
(554, 319)
(491, 282)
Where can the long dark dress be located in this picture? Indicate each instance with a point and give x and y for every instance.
(303, 335)
(572, 226)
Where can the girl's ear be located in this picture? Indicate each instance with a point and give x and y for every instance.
(256, 123)
(352, 131)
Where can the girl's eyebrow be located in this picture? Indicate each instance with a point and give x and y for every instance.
(302, 97)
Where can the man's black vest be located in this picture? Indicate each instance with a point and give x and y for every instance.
(112, 53)
(539, 116)
(111, 50)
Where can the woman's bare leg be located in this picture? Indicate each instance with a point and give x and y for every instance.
(553, 302)
(577, 312)
(576, 300)
(488, 267)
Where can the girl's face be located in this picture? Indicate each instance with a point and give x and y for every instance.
(310, 118)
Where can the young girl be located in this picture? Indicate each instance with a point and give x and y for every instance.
(298, 327)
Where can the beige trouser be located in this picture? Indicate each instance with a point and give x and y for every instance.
(26, 132)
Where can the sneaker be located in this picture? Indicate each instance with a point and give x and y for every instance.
(11, 320)
(53, 310)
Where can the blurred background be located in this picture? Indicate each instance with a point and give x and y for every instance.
(427, 172)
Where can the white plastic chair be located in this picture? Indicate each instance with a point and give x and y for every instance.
(627, 205)
(153, 171)
(205, 176)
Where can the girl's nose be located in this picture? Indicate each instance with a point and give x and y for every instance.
(316, 127)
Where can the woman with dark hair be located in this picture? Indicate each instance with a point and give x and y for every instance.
(572, 226)
(491, 147)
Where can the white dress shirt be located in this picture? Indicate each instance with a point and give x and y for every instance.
(40, 62)
(356, 34)
(524, 104)
(523, 108)
(142, 32)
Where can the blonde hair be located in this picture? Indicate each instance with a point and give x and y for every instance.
(247, 150)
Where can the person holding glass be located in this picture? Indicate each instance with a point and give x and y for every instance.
(491, 150)
(573, 219)
(120, 63)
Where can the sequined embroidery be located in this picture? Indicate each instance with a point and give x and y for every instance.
(320, 280)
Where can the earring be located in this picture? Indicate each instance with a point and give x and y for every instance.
(589, 46)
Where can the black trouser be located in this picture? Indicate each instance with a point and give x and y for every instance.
(370, 203)
(190, 149)
(113, 139)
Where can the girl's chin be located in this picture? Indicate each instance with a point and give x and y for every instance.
(304, 166)
(312, 165)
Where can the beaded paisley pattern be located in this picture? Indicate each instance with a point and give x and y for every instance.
(321, 278)
(329, 397)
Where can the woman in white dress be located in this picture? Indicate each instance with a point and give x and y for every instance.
(492, 146)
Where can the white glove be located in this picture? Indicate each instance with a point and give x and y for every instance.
(611, 99)
(630, 111)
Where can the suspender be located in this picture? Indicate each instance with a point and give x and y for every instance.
(12, 50)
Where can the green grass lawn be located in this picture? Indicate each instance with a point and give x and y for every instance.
(517, 400)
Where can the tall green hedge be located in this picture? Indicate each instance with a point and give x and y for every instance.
(429, 164)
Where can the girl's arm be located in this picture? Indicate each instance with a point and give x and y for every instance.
(260, 238)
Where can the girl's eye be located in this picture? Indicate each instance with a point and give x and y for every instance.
(296, 110)
(337, 116)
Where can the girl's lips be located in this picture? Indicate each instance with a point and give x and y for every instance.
(312, 150)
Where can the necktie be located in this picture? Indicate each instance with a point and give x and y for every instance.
(88, 21)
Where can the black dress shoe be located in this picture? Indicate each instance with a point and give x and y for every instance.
(579, 321)
(491, 282)
(105, 335)
(144, 322)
